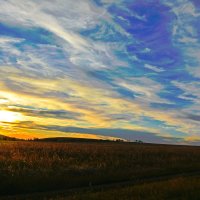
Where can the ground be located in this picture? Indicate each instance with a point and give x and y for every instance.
(98, 170)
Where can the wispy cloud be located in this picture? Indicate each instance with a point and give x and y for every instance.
(109, 65)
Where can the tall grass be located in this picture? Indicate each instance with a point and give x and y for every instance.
(27, 167)
(175, 189)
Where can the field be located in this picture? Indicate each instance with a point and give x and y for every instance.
(96, 170)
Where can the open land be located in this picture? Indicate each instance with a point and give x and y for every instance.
(98, 170)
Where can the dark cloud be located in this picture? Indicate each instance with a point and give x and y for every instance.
(29, 89)
(59, 114)
(193, 117)
(121, 133)
(23, 124)
(124, 116)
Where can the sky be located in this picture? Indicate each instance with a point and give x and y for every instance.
(103, 69)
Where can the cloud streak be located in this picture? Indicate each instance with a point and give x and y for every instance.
(102, 65)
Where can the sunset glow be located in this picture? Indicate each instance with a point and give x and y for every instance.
(7, 116)
(110, 68)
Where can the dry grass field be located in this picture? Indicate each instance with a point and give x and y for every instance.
(174, 189)
(27, 167)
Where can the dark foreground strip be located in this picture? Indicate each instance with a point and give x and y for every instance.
(95, 188)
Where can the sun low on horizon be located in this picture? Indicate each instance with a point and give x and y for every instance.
(7, 116)
(103, 69)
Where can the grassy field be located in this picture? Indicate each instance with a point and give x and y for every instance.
(174, 189)
(28, 167)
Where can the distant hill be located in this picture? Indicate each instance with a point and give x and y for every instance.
(3, 137)
(66, 139)
(58, 139)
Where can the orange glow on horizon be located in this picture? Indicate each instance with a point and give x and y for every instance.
(31, 134)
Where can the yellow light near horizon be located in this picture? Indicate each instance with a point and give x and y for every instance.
(9, 116)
